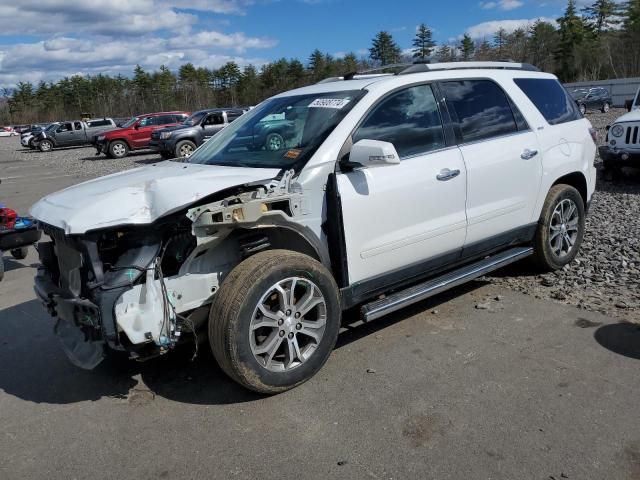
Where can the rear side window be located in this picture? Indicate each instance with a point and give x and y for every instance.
(231, 116)
(550, 98)
(480, 108)
(409, 119)
(99, 123)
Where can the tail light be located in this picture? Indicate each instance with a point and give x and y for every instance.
(8, 218)
(594, 135)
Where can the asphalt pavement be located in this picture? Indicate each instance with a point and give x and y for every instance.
(523, 389)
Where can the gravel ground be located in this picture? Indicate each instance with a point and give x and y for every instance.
(605, 276)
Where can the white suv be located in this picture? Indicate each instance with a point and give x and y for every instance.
(386, 190)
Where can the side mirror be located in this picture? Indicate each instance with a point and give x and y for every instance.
(372, 153)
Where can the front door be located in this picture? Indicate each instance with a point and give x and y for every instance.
(141, 135)
(503, 159)
(212, 124)
(64, 134)
(410, 214)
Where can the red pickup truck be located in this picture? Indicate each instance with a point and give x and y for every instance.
(136, 133)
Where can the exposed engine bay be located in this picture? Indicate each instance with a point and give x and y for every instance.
(144, 289)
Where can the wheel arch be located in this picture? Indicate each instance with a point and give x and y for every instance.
(578, 181)
(119, 139)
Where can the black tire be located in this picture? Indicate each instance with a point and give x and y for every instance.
(233, 310)
(274, 142)
(1, 266)
(20, 253)
(184, 148)
(32, 145)
(45, 145)
(605, 107)
(583, 108)
(166, 155)
(544, 255)
(118, 149)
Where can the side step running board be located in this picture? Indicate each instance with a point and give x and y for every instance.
(396, 301)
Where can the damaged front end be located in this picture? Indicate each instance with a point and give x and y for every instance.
(139, 289)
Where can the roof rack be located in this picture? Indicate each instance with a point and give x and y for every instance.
(421, 67)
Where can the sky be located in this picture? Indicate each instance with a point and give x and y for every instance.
(51, 39)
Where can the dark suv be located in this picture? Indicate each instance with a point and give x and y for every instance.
(182, 140)
(592, 98)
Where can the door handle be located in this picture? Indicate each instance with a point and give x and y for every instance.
(447, 174)
(528, 154)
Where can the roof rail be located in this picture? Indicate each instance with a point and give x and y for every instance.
(499, 65)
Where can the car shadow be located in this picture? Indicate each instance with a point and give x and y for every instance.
(35, 369)
(622, 338)
(134, 154)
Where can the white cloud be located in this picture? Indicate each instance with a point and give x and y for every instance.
(505, 5)
(487, 29)
(91, 37)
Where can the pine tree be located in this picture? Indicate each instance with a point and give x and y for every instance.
(499, 42)
(484, 51)
(602, 15)
(467, 48)
(572, 34)
(423, 43)
(384, 49)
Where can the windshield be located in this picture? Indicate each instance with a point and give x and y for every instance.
(130, 122)
(51, 127)
(280, 133)
(194, 119)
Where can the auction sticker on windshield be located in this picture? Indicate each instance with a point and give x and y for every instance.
(329, 103)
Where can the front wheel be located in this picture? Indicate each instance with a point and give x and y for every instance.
(275, 321)
(560, 228)
(118, 149)
(274, 142)
(184, 149)
(45, 145)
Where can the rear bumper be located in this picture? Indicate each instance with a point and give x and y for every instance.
(620, 156)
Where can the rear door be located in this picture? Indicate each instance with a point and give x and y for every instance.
(408, 216)
(504, 164)
(212, 124)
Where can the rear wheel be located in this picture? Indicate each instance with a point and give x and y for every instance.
(20, 253)
(45, 145)
(560, 228)
(275, 320)
(185, 148)
(118, 149)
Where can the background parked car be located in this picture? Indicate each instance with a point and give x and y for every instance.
(182, 140)
(8, 132)
(136, 133)
(596, 98)
(27, 138)
(70, 134)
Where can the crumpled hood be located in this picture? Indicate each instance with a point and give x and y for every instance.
(139, 196)
(632, 116)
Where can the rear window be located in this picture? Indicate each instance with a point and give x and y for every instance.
(99, 123)
(550, 98)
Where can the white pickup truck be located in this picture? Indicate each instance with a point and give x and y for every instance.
(622, 145)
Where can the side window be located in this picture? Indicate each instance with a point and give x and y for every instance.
(65, 127)
(165, 120)
(148, 122)
(180, 118)
(231, 116)
(214, 119)
(550, 98)
(480, 108)
(77, 125)
(409, 119)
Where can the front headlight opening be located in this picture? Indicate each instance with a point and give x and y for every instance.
(165, 135)
(617, 130)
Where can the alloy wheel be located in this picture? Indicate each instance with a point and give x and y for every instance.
(564, 228)
(288, 324)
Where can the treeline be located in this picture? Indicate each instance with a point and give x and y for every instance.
(597, 42)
